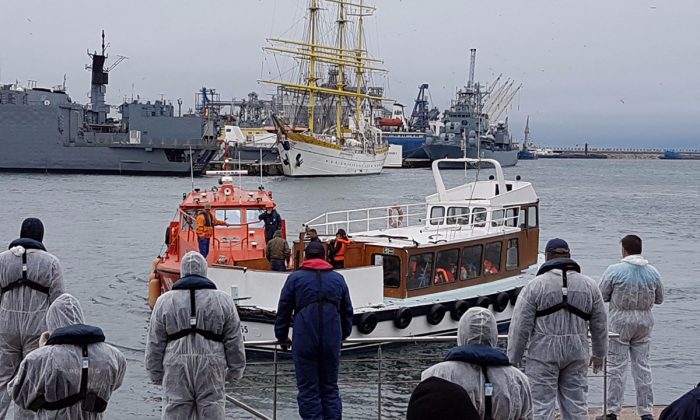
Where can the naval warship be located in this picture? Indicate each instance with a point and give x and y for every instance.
(468, 129)
(44, 130)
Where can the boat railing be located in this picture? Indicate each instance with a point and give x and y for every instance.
(386, 376)
(367, 219)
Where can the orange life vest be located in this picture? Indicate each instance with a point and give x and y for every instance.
(441, 276)
(340, 255)
(205, 227)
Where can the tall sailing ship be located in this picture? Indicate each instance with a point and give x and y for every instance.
(332, 100)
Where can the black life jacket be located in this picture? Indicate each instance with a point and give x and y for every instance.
(24, 281)
(194, 283)
(81, 335)
(483, 356)
(563, 264)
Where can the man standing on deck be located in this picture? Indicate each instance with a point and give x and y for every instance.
(318, 300)
(30, 280)
(205, 229)
(278, 252)
(273, 222)
(194, 345)
(554, 313)
(632, 287)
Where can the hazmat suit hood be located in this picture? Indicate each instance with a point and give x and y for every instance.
(635, 260)
(32, 228)
(477, 326)
(193, 264)
(63, 312)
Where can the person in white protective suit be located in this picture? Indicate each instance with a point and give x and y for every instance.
(30, 279)
(497, 389)
(74, 374)
(553, 314)
(632, 287)
(194, 344)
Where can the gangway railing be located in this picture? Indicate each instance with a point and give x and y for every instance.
(388, 372)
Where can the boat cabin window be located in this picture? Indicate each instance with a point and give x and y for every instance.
(230, 216)
(437, 215)
(492, 258)
(470, 266)
(521, 218)
(392, 268)
(446, 266)
(458, 216)
(497, 218)
(512, 254)
(251, 217)
(512, 217)
(420, 271)
(532, 217)
(479, 217)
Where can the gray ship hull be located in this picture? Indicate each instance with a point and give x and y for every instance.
(248, 153)
(504, 157)
(49, 139)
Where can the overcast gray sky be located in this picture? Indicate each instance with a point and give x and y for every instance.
(613, 73)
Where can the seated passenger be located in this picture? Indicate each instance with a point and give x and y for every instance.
(489, 267)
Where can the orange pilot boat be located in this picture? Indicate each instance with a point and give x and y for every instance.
(237, 243)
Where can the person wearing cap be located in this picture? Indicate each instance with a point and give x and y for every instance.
(632, 287)
(553, 314)
(278, 252)
(273, 221)
(194, 345)
(317, 300)
(497, 389)
(30, 280)
(437, 398)
(51, 380)
(205, 228)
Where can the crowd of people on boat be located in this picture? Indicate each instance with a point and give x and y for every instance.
(55, 365)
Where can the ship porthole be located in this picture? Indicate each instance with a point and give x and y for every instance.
(483, 302)
(436, 314)
(367, 324)
(500, 303)
(403, 318)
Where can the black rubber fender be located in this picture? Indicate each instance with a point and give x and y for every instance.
(514, 295)
(436, 314)
(167, 236)
(367, 323)
(483, 302)
(461, 306)
(402, 318)
(500, 301)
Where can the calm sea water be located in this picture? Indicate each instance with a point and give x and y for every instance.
(107, 229)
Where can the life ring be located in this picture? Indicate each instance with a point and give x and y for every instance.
(435, 314)
(500, 302)
(227, 190)
(461, 306)
(395, 216)
(367, 323)
(514, 295)
(483, 302)
(402, 318)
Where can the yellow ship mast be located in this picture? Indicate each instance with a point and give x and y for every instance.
(313, 21)
(341, 50)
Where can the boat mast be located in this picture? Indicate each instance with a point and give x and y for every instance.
(313, 22)
(360, 65)
(341, 82)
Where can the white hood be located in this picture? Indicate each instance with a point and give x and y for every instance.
(635, 260)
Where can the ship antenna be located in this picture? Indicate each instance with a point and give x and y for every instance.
(191, 169)
(103, 42)
(261, 168)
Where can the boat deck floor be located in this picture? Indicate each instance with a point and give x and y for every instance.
(628, 413)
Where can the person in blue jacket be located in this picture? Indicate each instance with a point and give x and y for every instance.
(318, 301)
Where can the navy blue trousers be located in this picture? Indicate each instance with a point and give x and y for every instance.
(203, 246)
(317, 383)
